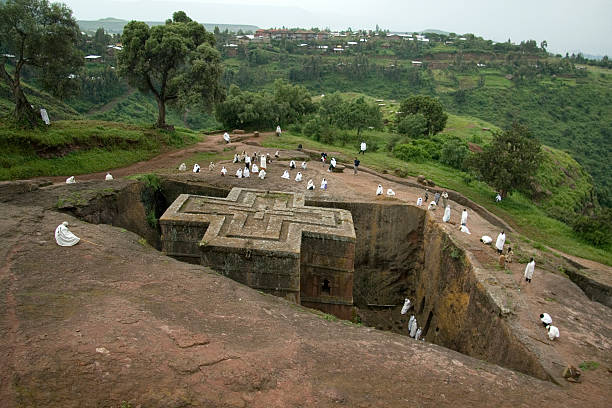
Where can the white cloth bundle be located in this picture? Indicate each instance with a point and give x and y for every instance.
(64, 237)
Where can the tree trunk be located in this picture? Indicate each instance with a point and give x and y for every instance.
(161, 113)
(23, 113)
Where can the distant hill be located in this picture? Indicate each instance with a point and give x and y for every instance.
(435, 31)
(115, 25)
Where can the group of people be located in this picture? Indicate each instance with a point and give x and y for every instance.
(380, 190)
(414, 330)
(250, 165)
(552, 331)
(299, 177)
(72, 180)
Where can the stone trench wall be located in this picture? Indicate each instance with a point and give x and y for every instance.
(388, 245)
(456, 311)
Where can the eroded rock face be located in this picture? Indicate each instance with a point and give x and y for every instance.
(397, 253)
(112, 320)
(116, 321)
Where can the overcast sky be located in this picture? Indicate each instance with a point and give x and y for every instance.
(567, 25)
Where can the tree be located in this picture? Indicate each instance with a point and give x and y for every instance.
(413, 125)
(359, 114)
(42, 36)
(510, 161)
(429, 107)
(176, 62)
(454, 153)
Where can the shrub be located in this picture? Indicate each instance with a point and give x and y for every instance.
(410, 152)
(596, 230)
(454, 152)
(413, 125)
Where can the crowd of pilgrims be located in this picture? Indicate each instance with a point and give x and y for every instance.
(249, 167)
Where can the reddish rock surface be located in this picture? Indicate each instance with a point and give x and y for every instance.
(113, 320)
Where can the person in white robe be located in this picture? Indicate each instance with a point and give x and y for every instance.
(298, 176)
(246, 172)
(411, 322)
(239, 173)
(420, 201)
(332, 164)
(183, 167)
(529, 270)
(108, 177)
(276, 155)
(255, 168)
(44, 116)
(406, 306)
(498, 198)
(211, 166)
(417, 335)
(223, 171)
(323, 184)
(292, 164)
(64, 237)
(310, 185)
(278, 130)
(414, 328)
(362, 148)
(501, 240)
(390, 192)
(379, 190)
(465, 229)
(236, 158)
(447, 213)
(286, 175)
(464, 216)
(262, 161)
(553, 332)
(226, 137)
(262, 174)
(432, 206)
(546, 319)
(485, 239)
(304, 165)
(247, 161)
(196, 168)
(70, 180)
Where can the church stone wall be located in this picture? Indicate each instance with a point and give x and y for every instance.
(269, 241)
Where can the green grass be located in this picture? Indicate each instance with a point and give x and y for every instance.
(520, 212)
(589, 365)
(77, 147)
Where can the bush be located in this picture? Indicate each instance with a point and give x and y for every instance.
(410, 152)
(413, 125)
(431, 146)
(596, 230)
(454, 153)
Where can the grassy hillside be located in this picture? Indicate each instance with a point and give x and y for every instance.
(565, 106)
(57, 109)
(77, 147)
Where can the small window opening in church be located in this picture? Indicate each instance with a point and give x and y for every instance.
(325, 288)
